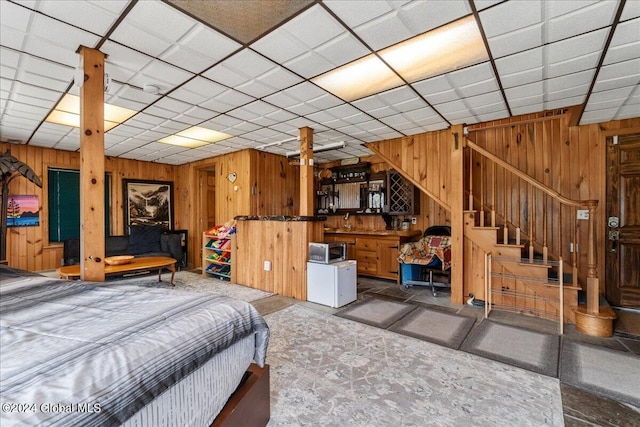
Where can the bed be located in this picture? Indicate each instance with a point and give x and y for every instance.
(80, 353)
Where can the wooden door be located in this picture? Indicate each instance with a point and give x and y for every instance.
(623, 203)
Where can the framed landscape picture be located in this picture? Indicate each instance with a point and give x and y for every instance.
(148, 203)
(23, 211)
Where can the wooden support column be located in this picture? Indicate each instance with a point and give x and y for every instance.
(306, 172)
(456, 201)
(92, 245)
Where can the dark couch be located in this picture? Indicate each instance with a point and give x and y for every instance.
(141, 241)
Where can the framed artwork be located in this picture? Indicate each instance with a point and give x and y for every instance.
(147, 203)
(23, 211)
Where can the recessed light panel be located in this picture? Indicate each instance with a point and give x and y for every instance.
(67, 113)
(195, 137)
(358, 79)
(444, 49)
(436, 52)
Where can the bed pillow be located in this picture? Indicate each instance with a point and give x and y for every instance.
(144, 239)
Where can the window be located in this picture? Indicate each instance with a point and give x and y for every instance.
(64, 204)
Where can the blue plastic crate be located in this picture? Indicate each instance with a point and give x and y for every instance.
(409, 272)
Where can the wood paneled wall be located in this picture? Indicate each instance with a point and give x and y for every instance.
(265, 185)
(282, 243)
(574, 157)
(275, 185)
(29, 247)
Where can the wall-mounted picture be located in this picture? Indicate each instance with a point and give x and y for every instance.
(23, 211)
(148, 203)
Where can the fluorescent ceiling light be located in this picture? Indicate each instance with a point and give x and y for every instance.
(278, 143)
(444, 49)
(358, 79)
(67, 113)
(320, 148)
(195, 137)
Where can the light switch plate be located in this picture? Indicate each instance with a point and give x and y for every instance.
(583, 214)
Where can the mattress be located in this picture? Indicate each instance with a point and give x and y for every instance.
(79, 353)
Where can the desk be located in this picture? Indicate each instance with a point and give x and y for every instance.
(136, 264)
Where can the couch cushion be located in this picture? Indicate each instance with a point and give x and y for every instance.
(116, 245)
(144, 239)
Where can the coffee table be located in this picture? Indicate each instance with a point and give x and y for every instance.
(136, 264)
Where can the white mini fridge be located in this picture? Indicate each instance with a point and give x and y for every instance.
(334, 284)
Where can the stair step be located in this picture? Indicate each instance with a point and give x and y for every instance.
(535, 264)
(566, 277)
(477, 227)
(564, 286)
(509, 245)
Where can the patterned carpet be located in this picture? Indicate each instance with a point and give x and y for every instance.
(189, 281)
(330, 371)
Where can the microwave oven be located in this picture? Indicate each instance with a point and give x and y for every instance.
(327, 253)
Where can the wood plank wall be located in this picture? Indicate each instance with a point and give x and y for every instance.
(266, 185)
(275, 185)
(283, 244)
(29, 247)
(576, 156)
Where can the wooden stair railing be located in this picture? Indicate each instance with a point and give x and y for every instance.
(537, 200)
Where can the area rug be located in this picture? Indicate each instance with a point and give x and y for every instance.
(610, 373)
(377, 312)
(188, 281)
(524, 348)
(330, 371)
(435, 326)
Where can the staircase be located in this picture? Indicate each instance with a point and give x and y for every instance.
(521, 237)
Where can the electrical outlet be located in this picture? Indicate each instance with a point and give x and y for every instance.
(583, 214)
(414, 220)
(267, 266)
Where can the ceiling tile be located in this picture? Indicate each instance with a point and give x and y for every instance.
(160, 74)
(631, 10)
(625, 44)
(569, 18)
(227, 100)
(513, 26)
(103, 13)
(62, 48)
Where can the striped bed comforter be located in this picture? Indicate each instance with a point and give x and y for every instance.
(78, 353)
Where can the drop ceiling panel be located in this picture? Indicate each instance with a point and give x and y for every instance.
(15, 17)
(193, 50)
(123, 63)
(314, 27)
(513, 26)
(198, 113)
(103, 13)
(625, 44)
(61, 48)
(160, 74)
(569, 18)
(609, 99)
(227, 100)
(575, 54)
(631, 10)
(391, 22)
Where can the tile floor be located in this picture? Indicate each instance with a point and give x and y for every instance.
(580, 407)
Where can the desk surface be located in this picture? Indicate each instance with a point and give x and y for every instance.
(142, 263)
